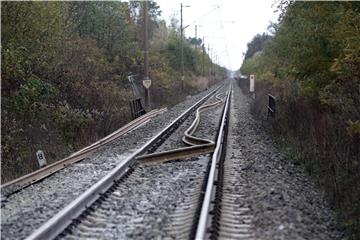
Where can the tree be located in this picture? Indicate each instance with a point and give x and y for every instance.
(257, 44)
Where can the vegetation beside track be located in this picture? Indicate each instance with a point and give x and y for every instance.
(64, 74)
(311, 63)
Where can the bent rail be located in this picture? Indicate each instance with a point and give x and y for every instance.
(196, 147)
(63, 218)
(28, 179)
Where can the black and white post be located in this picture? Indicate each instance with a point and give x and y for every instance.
(146, 81)
(252, 86)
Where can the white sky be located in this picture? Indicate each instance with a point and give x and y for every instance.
(241, 21)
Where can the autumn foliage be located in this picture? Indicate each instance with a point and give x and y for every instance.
(311, 63)
(64, 69)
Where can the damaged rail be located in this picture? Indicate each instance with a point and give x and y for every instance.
(31, 178)
(196, 147)
(63, 218)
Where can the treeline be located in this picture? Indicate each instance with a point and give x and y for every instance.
(311, 64)
(64, 74)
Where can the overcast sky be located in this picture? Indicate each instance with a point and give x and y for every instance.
(228, 25)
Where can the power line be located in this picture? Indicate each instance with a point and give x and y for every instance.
(201, 16)
(225, 40)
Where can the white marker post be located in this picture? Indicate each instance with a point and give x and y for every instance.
(252, 85)
(41, 158)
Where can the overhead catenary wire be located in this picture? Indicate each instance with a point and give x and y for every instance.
(224, 36)
(201, 16)
(219, 32)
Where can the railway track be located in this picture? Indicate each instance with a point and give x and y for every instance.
(212, 209)
(222, 216)
(61, 220)
(31, 178)
(165, 189)
(206, 208)
(195, 144)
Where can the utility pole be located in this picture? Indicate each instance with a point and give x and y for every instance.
(203, 57)
(215, 61)
(216, 64)
(209, 62)
(146, 81)
(195, 38)
(182, 46)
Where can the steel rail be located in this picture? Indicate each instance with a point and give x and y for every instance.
(196, 147)
(127, 128)
(175, 154)
(55, 225)
(28, 179)
(204, 218)
(191, 140)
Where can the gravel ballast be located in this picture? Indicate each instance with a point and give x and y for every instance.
(284, 202)
(25, 211)
(142, 206)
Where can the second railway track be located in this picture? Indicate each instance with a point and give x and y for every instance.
(12, 231)
(125, 198)
(146, 196)
(31, 178)
(144, 203)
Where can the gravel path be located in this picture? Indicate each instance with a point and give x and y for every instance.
(284, 203)
(26, 210)
(142, 205)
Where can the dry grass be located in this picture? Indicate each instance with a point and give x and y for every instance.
(319, 141)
